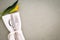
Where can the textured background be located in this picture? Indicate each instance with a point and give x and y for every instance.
(40, 19)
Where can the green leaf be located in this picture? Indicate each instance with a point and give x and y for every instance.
(7, 11)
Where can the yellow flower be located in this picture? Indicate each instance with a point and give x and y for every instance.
(15, 9)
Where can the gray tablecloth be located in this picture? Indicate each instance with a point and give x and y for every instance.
(40, 19)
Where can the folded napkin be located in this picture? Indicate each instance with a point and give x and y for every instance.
(13, 24)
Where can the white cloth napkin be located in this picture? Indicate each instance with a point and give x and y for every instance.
(13, 24)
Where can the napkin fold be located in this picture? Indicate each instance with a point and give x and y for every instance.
(13, 24)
